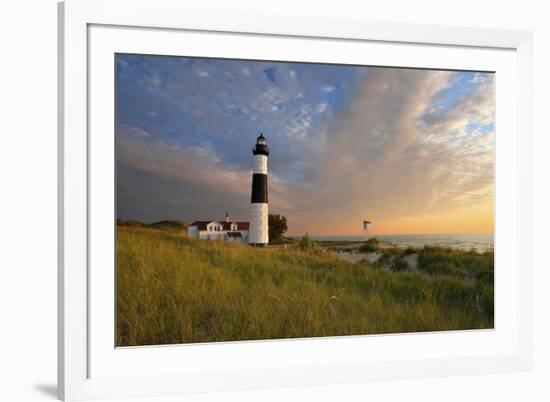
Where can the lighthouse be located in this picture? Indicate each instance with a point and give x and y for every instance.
(258, 234)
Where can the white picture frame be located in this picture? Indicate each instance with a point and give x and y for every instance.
(88, 367)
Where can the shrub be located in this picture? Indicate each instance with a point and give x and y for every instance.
(399, 264)
(131, 223)
(446, 261)
(485, 276)
(370, 246)
(170, 226)
(307, 243)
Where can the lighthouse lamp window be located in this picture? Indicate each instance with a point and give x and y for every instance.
(270, 200)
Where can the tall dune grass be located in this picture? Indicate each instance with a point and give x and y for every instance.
(172, 289)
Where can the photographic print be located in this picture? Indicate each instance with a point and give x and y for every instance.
(264, 200)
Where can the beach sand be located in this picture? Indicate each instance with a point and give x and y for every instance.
(356, 257)
(350, 256)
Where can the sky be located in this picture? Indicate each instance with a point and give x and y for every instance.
(410, 150)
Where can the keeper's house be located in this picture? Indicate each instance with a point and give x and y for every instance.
(225, 230)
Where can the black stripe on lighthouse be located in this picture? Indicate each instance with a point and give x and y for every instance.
(259, 188)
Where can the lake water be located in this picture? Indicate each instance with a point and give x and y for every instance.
(463, 241)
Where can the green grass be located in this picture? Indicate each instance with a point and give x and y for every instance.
(283, 240)
(172, 289)
(169, 225)
(464, 264)
(391, 257)
(370, 246)
(307, 244)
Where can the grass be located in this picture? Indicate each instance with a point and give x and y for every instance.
(172, 289)
(391, 257)
(307, 243)
(283, 240)
(370, 246)
(169, 225)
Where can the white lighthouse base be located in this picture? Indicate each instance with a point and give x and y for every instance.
(258, 233)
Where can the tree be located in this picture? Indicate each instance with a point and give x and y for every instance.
(277, 226)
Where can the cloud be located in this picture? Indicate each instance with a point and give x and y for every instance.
(381, 159)
(321, 107)
(478, 78)
(346, 142)
(154, 80)
(158, 180)
(475, 107)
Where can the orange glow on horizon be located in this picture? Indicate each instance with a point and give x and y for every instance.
(473, 219)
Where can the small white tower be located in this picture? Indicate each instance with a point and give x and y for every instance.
(259, 230)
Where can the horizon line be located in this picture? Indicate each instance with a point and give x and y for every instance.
(388, 234)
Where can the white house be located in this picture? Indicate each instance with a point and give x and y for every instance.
(225, 230)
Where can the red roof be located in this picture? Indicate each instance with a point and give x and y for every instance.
(242, 225)
(201, 225)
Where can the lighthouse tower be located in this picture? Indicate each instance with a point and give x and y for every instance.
(258, 234)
